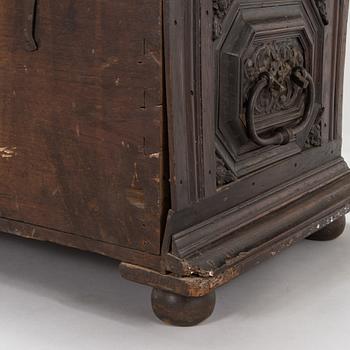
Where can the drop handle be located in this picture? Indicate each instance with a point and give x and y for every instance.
(29, 25)
(301, 77)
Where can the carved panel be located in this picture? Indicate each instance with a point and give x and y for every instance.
(279, 69)
(278, 59)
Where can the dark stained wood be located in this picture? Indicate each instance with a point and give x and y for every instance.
(190, 139)
(81, 119)
(178, 310)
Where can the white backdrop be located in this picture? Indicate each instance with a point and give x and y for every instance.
(346, 108)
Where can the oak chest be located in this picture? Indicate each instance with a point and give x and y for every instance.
(189, 139)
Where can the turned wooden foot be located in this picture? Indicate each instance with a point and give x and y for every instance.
(182, 311)
(330, 232)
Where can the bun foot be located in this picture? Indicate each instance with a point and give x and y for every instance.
(178, 310)
(330, 232)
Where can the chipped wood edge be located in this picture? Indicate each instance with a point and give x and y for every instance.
(186, 286)
(197, 286)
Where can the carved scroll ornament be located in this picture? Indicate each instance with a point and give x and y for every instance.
(322, 8)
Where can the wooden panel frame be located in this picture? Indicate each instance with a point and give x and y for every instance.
(190, 104)
(190, 214)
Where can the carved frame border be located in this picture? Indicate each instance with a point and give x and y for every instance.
(319, 132)
(190, 104)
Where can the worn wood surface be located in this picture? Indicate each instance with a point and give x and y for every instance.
(81, 119)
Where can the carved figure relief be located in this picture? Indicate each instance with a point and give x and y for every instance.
(278, 59)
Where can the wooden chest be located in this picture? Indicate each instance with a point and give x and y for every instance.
(189, 139)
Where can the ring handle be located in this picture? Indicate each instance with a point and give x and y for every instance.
(29, 25)
(284, 135)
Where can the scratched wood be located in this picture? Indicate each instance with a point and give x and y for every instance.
(81, 119)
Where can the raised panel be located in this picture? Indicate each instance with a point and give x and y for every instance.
(280, 41)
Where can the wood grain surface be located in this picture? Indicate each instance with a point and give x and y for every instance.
(81, 119)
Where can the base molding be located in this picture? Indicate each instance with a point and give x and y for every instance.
(207, 246)
(197, 286)
(212, 266)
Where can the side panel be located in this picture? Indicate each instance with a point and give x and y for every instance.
(81, 119)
